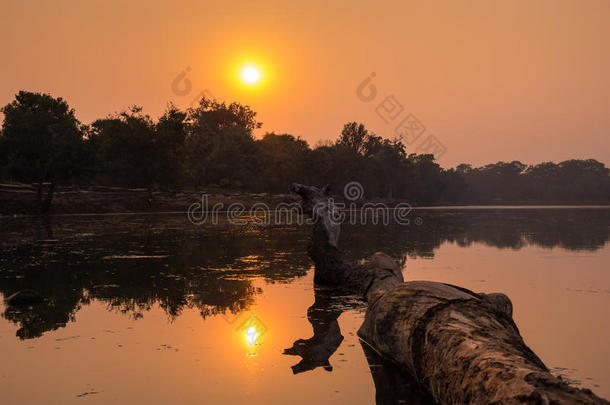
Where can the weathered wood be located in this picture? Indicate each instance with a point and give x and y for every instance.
(463, 347)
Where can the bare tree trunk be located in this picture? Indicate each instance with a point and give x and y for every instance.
(463, 347)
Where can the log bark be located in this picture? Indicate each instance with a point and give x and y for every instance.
(462, 347)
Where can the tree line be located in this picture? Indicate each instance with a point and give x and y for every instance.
(212, 146)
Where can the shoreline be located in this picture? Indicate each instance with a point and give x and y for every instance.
(21, 201)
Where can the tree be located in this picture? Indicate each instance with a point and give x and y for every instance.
(170, 147)
(125, 148)
(220, 145)
(388, 163)
(214, 116)
(42, 142)
(425, 183)
(283, 160)
(356, 137)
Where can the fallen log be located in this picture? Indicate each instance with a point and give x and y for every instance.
(462, 347)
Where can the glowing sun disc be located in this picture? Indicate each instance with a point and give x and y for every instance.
(250, 74)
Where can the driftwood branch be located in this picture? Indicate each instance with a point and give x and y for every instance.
(463, 347)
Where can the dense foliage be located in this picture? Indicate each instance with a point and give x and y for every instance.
(212, 146)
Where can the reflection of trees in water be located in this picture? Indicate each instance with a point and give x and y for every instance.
(41, 318)
(133, 266)
(571, 229)
(133, 263)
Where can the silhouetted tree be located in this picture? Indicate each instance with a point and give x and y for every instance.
(220, 144)
(215, 116)
(356, 137)
(571, 181)
(212, 145)
(41, 142)
(125, 148)
(170, 146)
(283, 160)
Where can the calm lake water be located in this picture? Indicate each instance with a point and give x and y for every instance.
(152, 309)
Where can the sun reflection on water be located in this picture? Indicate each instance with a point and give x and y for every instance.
(252, 329)
(251, 335)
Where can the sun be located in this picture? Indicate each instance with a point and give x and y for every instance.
(250, 74)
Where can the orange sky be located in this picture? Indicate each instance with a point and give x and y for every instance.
(526, 80)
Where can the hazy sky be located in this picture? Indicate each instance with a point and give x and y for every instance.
(511, 80)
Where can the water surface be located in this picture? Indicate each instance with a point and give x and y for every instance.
(154, 309)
